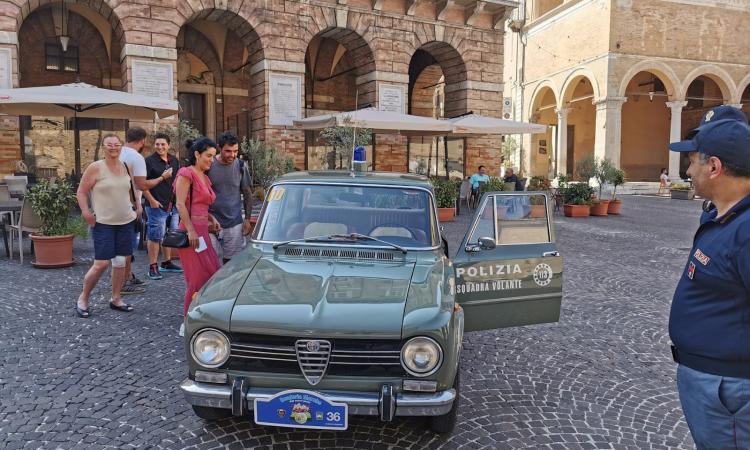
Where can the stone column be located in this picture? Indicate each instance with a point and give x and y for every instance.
(607, 138)
(675, 134)
(562, 140)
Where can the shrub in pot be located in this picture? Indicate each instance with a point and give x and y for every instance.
(53, 244)
(682, 191)
(577, 199)
(616, 178)
(495, 184)
(446, 194)
(602, 170)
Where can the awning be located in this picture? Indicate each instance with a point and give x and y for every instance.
(378, 121)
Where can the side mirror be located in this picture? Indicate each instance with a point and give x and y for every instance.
(487, 243)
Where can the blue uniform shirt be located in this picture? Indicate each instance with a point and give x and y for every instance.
(710, 318)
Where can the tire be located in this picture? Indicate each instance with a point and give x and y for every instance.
(447, 422)
(211, 414)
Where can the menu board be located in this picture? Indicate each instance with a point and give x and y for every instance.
(153, 79)
(284, 102)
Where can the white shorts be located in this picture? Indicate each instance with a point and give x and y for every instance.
(231, 241)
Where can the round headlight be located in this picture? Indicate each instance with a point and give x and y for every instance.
(421, 356)
(210, 348)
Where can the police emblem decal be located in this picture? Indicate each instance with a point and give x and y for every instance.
(542, 274)
(691, 270)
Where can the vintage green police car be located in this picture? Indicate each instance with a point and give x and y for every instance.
(346, 303)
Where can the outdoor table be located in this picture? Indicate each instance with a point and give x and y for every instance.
(12, 207)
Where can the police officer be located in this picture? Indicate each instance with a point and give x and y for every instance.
(709, 323)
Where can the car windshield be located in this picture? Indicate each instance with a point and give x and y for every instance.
(402, 216)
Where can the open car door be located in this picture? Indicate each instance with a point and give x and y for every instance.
(508, 268)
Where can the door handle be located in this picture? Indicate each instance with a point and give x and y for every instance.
(550, 254)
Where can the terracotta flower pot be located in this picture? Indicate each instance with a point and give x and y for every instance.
(53, 251)
(614, 207)
(537, 211)
(446, 214)
(577, 210)
(600, 208)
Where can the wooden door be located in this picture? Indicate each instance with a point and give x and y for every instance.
(193, 110)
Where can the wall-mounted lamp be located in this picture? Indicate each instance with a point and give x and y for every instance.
(64, 38)
(651, 96)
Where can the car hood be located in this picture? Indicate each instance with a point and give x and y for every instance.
(323, 298)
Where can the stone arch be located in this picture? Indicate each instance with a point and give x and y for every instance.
(536, 96)
(454, 72)
(741, 87)
(566, 94)
(543, 110)
(715, 73)
(658, 68)
(103, 8)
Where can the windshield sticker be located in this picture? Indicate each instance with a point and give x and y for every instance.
(276, 194)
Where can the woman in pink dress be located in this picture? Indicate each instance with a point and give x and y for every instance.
(194, 195)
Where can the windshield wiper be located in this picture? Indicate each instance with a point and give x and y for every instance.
(340, 237)
(364, 237)
(307, 239)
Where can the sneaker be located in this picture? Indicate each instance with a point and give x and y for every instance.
(135, 281)
(129, 289)
(181, 333)
(153, 272)
(169, 266)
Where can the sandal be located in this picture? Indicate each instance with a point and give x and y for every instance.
(124, 307)
(82, 313)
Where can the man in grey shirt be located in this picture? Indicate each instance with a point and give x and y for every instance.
(230, 179)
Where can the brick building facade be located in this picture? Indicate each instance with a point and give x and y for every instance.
(223, 56)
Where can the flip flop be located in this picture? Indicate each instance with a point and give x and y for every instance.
(124, 307)
(83, 313)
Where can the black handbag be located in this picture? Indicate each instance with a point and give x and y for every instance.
(175, 238)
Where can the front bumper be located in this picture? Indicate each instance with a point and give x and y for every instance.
(360, 403)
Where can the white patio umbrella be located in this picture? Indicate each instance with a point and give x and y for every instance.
(378, 121)
(83, 100)
(474, 124)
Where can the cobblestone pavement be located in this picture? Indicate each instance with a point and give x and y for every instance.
(601, 378)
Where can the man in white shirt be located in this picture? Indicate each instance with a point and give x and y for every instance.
(136, 163)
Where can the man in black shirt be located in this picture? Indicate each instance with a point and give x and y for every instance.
(161, 211)
(511, 177)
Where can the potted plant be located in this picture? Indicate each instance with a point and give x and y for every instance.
(682, 191)
(446, 194)
(577, 199)
(616, 178)
(53, 244)
(538, 203)
(602, 169)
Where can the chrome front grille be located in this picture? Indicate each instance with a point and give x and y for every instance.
(313, 356)
(352, 357)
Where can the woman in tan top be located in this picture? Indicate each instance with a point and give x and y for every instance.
(112, 220)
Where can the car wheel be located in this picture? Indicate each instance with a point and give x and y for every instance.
(211, 414)
(447, 422)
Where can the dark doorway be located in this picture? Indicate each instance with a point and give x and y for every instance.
(570, 158)
(192, 110)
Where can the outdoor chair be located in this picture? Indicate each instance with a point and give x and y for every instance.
(28, 222)
(4, 229)
(464, 194)
(5, 193)
(17, 184)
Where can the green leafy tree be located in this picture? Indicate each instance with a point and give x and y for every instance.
(616, 178)
(266, 163)
(342, 139)
(603, 173)
(586, 168)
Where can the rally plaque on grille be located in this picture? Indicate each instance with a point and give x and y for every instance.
(313, 356)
